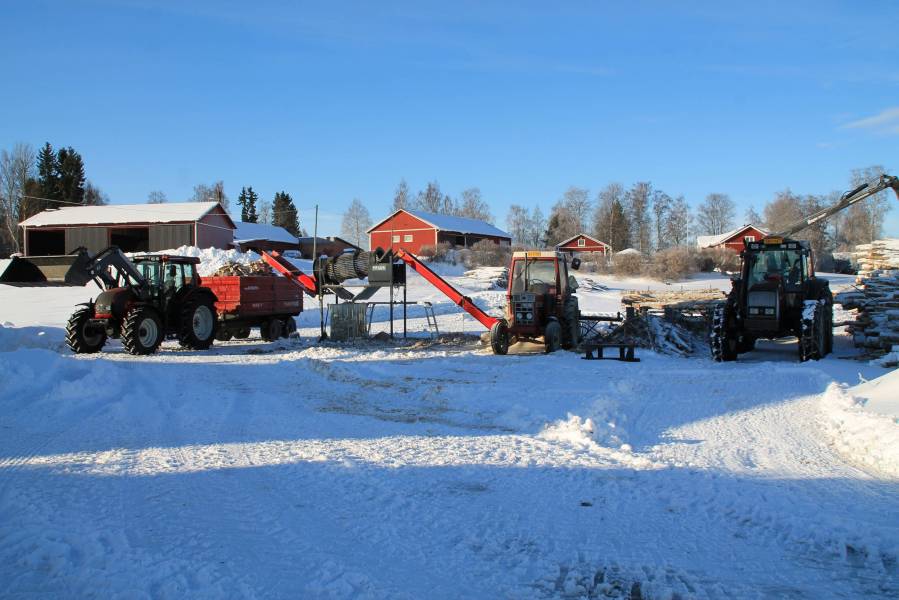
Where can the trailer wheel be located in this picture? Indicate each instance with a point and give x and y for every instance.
(80, 336)
(197, 327)
(270, 330)
(288, 327)
(499, 337)
(142, 331)
(552, 337)
(223, 334)
(242, 333)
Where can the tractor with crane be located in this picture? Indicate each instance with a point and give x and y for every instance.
(778, 294)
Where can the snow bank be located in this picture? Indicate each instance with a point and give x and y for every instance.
(13, 338)
(863, 422)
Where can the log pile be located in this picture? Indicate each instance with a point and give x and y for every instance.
(662, 299)
(875, 298)
(258, 267)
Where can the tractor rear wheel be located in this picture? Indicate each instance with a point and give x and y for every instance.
(270, 330)
(552, 337)
(572, 332)
(813, 334)
(722, 340)
(80, 336)
(197, 326)
(499, 337)
(142, 331)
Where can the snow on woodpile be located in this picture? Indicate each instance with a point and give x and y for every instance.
(863, 422)
(214, 259)
(875, 299)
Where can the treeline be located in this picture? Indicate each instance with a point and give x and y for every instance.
(31, 182)
(469, 204)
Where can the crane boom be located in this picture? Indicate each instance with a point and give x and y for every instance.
(851, 197)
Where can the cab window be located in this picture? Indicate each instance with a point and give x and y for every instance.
(529, 275)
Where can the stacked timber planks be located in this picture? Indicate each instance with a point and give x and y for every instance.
(875, 298)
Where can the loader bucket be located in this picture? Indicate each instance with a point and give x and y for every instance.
(20, 270)
(78, 273)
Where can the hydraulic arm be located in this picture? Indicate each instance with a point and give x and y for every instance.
(851, 197)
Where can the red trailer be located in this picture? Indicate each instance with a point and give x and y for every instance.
(242, 302)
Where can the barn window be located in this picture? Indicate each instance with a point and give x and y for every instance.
(581, 242)
(130, 239)
(407, 237)
(749, 238)
(396, 239)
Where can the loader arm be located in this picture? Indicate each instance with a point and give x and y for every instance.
(854, 196)
(88, 268)
(283, 266)
(441, 284)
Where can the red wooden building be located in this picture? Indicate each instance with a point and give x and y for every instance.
(412, 229)
(732, 239)
(583, 243)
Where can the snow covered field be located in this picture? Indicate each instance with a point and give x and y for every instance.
(437, 470)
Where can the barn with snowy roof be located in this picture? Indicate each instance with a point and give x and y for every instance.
(131, 227)
(413, 229)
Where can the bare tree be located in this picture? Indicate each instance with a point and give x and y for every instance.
(265, 212)
(474, 207)
(156, 197)
(863, 222)
(211, 193)
(752, 217)
(609, 212)
(401, 198)
(536, 225)
(430, 200)
(677, 229)
(715, 215)
(16, 169)
(783, 210)
(661, 207)
(637, 208)
(562, 224)
(94, 196)
(577, 202)
(356, 221)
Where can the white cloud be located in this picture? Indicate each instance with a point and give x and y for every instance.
(885, 122)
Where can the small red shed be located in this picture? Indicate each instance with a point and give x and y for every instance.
(584, 243)
(412, 229)
(732, 239)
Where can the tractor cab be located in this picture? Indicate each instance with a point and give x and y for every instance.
(775, 276)
(540, 292)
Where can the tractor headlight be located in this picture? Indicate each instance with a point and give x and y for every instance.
(518, 316)
(530, 316)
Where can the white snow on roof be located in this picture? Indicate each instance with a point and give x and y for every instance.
(709, 241)
(584, 235)
(453, 223)
(247, 232)
(628, 251)
(121, 213)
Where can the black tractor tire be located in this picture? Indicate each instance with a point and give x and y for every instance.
(828, 329)
(746, 344)
(142, 330)
(223, 334)
(270, 330)
(722, 338)
(198, 323)
(288, 327)
(813, 332)
(499, 337)
(571, 334)
(242, 333)
(82, 338)
(552, 337)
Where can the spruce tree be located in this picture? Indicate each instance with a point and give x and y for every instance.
(70, 175)
(47, 173)
(252, 197)
(284, 213)
(242, 201)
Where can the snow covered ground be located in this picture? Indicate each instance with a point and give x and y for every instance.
(420, 469)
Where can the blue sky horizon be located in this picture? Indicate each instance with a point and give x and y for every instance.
(332, 103)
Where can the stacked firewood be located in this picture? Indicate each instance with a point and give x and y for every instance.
(244, 269)
(875, 298)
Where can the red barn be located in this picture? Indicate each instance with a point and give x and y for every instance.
(412, 229)
(584, 243)
(732, 239)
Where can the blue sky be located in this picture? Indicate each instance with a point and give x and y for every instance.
(334, 101)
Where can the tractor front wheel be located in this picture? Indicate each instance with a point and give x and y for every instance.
(722, 339)
(81, 337)
(197, 327)
(552, 337)
(499, 337)
(142, 331)
(813, 335)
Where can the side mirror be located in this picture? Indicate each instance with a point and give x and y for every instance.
(575, 263)
(572, 282)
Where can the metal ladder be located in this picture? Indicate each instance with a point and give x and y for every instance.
(433, 331)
